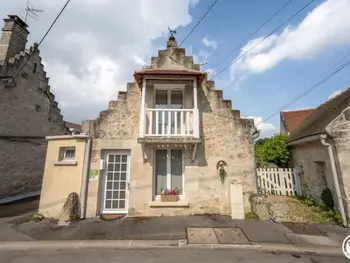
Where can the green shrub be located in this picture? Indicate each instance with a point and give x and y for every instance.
(327, 198)
(329, 213)
(338, 219)
(251, 215)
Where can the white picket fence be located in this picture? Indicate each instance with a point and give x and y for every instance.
(278, 181)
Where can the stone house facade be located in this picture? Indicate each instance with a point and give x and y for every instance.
(320, 148)
(28, 112)
(171, 129)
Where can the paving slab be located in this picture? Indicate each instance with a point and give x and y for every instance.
(304, 228)
(263, 231)
(230, 236)
(197, 235)
(313, 240)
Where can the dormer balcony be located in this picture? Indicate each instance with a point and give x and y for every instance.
(169, 110)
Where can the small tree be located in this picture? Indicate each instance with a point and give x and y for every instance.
(272, 150)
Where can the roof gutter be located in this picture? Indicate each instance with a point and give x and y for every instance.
(311, 138)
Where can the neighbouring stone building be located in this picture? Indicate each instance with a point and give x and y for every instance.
(171, 129)
(28, 112)
(320, 148)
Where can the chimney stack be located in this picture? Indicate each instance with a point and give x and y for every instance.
(14, 37)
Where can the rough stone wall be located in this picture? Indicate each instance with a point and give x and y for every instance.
(22, 162)
(307, 155)
(28, 113)
(340, 131)
(13, 39)
(224, 134)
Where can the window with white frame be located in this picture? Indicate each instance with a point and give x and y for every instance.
(169, 170)
(67, 154)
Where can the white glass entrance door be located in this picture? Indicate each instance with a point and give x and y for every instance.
(115, 197)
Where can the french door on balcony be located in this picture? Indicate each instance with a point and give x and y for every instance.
(168, 99)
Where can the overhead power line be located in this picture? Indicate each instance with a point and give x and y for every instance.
(200, 20)
(262, 40)
(252, 34)
(308, 90)
(42, 39)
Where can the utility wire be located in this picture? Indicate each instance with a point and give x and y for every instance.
(42, 39)
(200, 20)
(262, 40)
(252, 34)
(308, 90)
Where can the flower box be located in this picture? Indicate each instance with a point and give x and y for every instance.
(168, 198)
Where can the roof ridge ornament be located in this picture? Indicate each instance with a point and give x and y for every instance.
(172, 32)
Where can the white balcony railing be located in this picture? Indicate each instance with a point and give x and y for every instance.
(171, 122)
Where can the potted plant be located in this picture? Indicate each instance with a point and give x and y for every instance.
(169, 195)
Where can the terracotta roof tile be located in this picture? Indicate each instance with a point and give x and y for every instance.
(324, 114)
(292, 119)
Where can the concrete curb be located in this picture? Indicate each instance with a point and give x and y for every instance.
(301, 249)
(164, 244)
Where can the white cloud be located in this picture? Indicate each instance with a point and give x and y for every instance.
(194, 2)
(324, 28)
(210, 43)
(201, 56)
(139, 61)
(335, 93)
(95, 46)
(266, 129)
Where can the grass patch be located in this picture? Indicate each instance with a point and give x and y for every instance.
(251, 215)
(327, 215)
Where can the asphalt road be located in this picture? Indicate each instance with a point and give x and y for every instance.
(161, 255)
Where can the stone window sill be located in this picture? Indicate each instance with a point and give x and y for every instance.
(66, 163)
(158, 203)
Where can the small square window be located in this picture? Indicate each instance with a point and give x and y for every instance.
(67, 154)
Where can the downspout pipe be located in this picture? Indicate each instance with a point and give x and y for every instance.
(85, 181)
(335, 177)
(255, 136)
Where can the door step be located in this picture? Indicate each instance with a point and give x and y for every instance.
(111, 216)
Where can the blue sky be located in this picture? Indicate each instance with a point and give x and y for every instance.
(96, 45)
(261, 94)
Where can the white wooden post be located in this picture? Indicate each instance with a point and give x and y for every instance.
(142, 110)
(195, 111)
(182, 123)
(150, 126)
(169, 123)
(157, 121)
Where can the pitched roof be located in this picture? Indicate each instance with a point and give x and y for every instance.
(318, 120)
(292, 119)
(70, 125)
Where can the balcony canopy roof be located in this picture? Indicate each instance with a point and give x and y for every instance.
(138, 75)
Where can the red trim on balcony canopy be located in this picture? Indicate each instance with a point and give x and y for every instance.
(138, 75)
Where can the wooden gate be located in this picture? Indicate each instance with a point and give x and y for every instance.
(278, 181)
